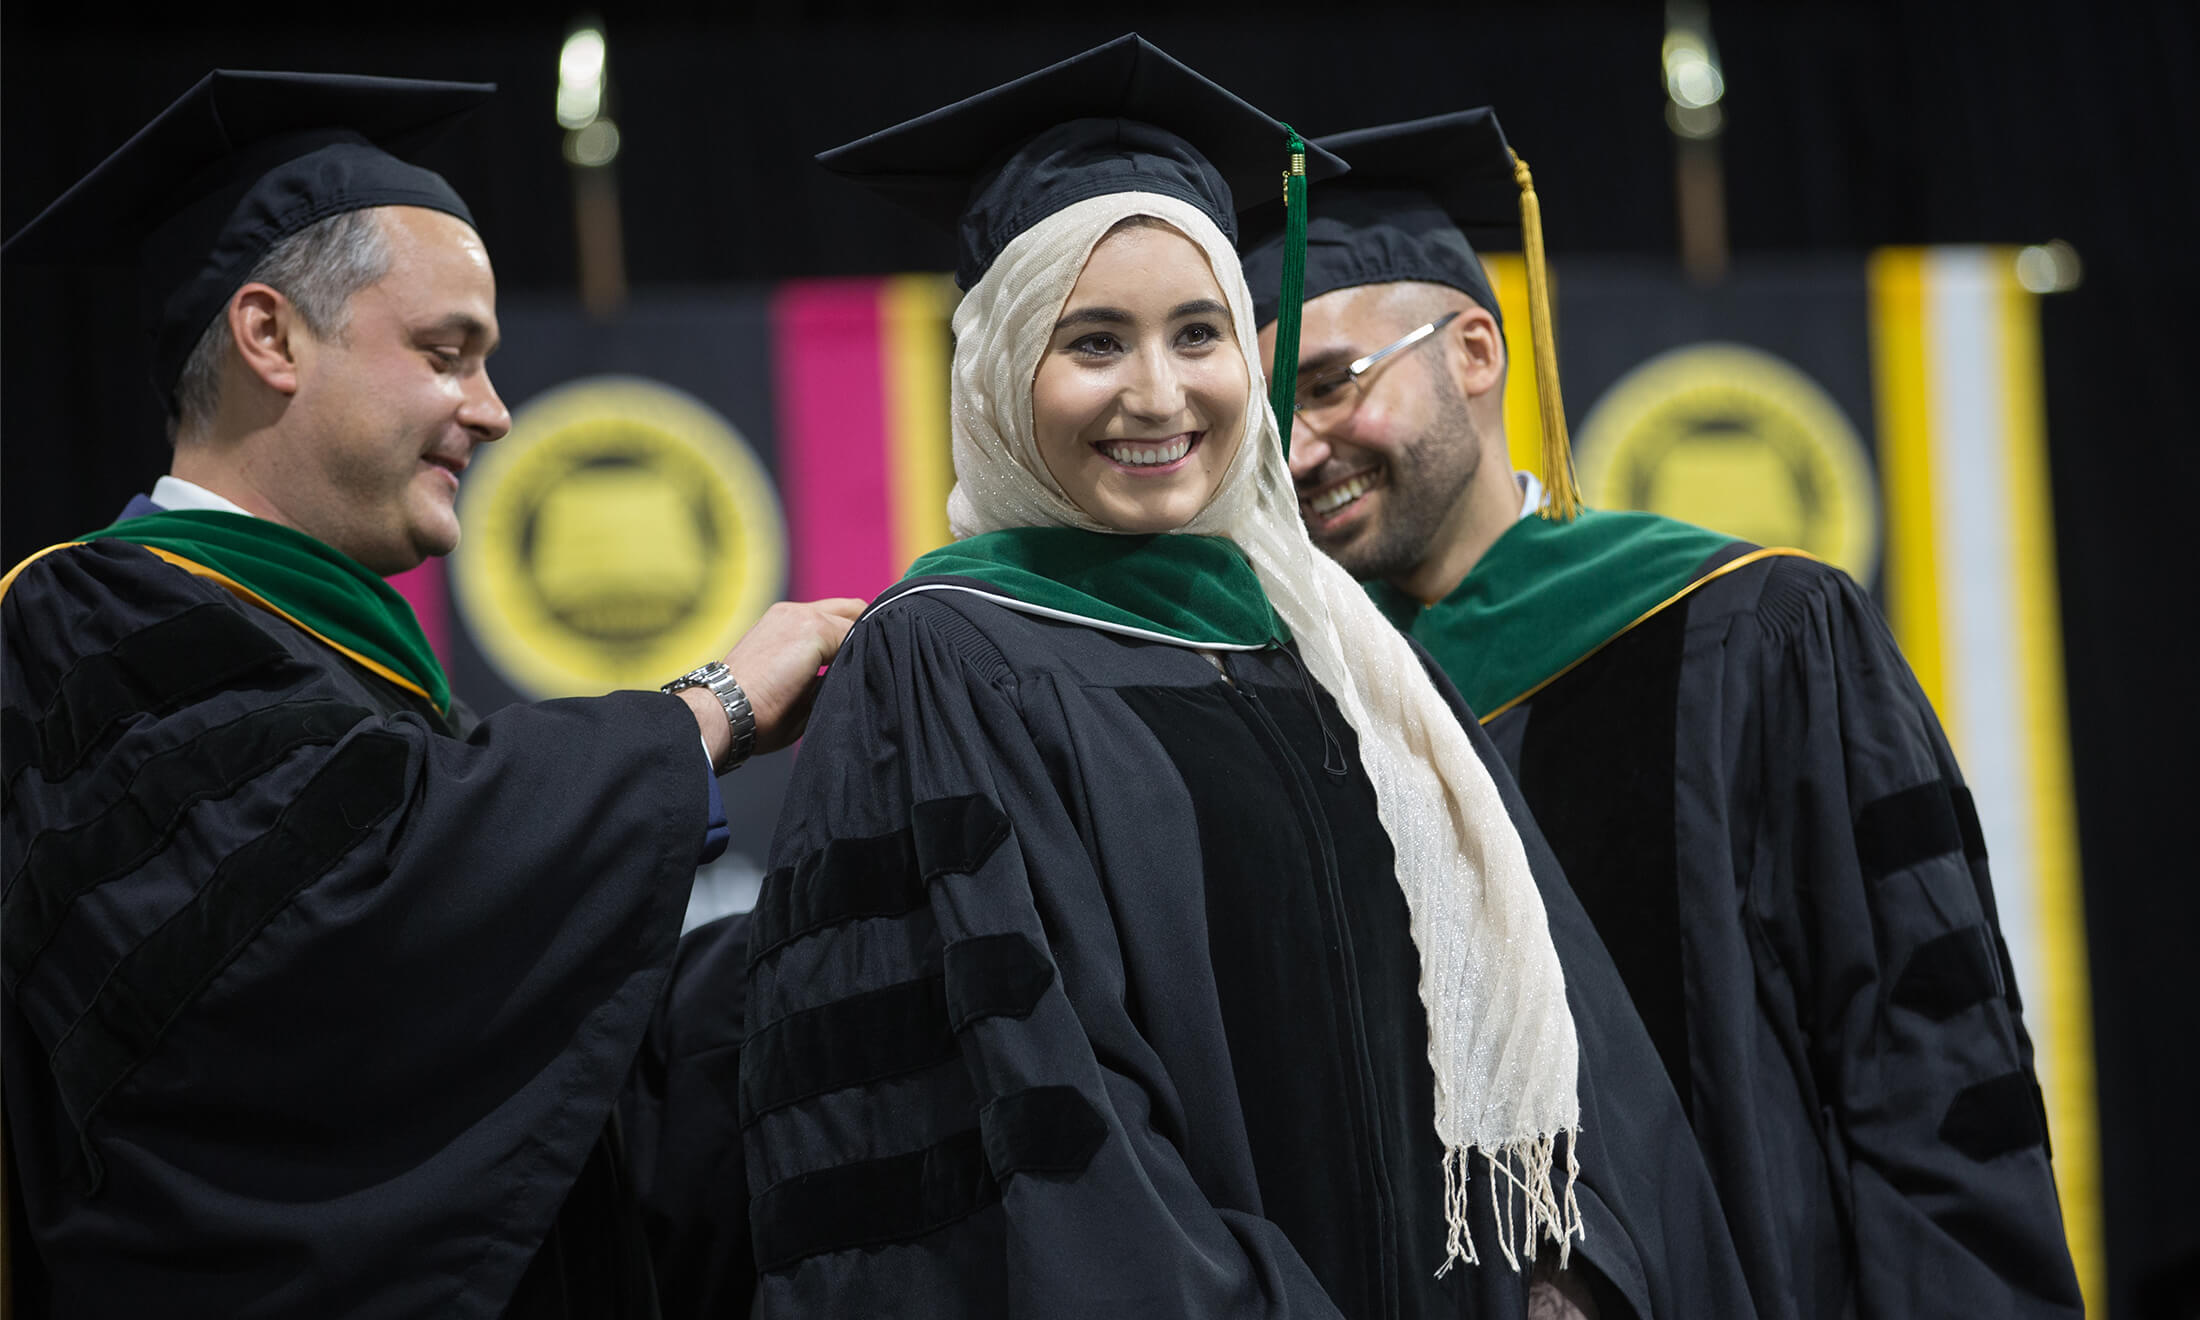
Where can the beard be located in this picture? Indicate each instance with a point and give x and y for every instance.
(1426, 478)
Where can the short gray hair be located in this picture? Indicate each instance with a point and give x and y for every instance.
(318, 268)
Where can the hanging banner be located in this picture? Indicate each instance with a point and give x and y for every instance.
(862, 368)
(1971, 592)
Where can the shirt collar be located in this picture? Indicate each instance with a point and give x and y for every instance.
(1531, 492)
(173, 493)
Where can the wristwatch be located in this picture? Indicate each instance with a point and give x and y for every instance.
(719, 680)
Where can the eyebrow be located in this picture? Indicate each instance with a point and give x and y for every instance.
(1094, 316)
(466, 327)
(1324, 360)
(1117, 316)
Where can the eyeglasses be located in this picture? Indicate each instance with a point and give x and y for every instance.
(1328, 396)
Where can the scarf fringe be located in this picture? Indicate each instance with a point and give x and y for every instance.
(1525, 1201)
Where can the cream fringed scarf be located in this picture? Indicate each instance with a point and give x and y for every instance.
(1501, 1040)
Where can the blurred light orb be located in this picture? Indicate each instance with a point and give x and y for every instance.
(593, 144)
(581, 78)
(581, 62)
(577, 109)
(1692, 77)
(2050, 267)
(1695, 121)
(1694, 80)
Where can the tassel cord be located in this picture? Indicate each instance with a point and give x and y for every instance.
(1558, 462)
(1284, 386)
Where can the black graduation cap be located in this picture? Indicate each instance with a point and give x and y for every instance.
(1416, 190)
(1123, 117)
(238, 163)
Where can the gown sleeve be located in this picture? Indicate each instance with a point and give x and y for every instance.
(317, 993)
(1868, 887)
(948, 1109)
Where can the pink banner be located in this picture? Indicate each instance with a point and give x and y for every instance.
(831, 387)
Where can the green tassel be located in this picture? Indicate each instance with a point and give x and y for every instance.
(1284, 385)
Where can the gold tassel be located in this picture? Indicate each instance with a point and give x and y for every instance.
(1558, 458)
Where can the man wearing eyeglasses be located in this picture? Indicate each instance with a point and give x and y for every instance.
(1743, 782)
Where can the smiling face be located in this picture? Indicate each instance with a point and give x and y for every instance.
(1139, 403)
(1384, 482)
(389, 411)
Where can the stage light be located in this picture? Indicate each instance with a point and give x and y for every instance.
(584, 74)
(1691, 79)
(581, 78)
(1694, 83)
(591, 144)
(1694, 86)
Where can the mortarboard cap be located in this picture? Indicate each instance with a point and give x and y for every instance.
(238, 163)
(1123, 117)
(1417, 189)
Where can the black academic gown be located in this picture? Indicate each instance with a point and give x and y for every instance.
(1082, 986)
(315, 1004)
(1759, 811)
(681, 1117)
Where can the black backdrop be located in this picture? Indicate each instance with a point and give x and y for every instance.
(1850, 126)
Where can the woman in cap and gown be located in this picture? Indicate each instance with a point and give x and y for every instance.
(1147, 932)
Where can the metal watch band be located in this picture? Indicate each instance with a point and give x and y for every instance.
(740, 718)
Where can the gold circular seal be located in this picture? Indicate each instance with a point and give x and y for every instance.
(622, 534)
(1732, 438)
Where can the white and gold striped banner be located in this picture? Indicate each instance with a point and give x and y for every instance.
(1971, 594)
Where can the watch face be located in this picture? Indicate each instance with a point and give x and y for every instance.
(693, 678)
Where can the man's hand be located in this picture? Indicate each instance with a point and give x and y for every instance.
(776, 663)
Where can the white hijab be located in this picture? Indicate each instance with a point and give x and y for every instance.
(1501, 1041)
